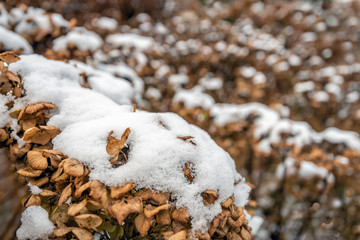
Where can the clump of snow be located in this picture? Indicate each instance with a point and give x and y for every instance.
(194, 97)
(178, 80)
(84, 40)
(269, 126)
(307, 86)
(157, 156)
(33, 19)
(105, 23)
(34, 189)
(120, 91)
(307, 170)
(130, 40)
(35, 224)
(10, 41)
(211, 83)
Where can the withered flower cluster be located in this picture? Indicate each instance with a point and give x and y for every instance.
(124, 212)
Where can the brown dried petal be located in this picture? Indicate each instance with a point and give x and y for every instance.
(143, 223)
(245, 234)
(33, 201)
(52, 131)
(90, 221)
(66, 193)
(150, 210)
(117, 192)
(3, 135)
(122, 209)
(9, 57)
(180, 215)
(39, 182)
(57, 155)
(82, 234)
(59, 232)
(27, 124)
(99, 193)
(15, 113)
(180, 235)
(163, 217)
(114, 146)
(35, 109)
(73, 167)
(75, 208)
(36, 160)
(47, 193)
(29, 172)
(233, 236)
(36, 135)
(228, 202)
(209, 197)
(12, 77)
(148, 194)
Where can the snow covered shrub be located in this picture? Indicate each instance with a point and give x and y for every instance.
(96, 168)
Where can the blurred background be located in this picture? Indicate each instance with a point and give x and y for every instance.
(275, 83)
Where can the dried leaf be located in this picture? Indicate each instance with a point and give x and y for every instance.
(33, 201)
(27, 124)
(163, 217)
(66, 193)
(122, 209)
(34, 110)
(36, 160)
(180, 235)
(15, 113)
(228, 202)
(114, 146)
(181, 215)
(143, 223)
(233, 236)
(90, 221)
(3, 135)
(59, 232)
(148, 194)
(82, 234)
(188, 170)
(39, 182)
(47, 193)
(36, 135)
(73, 167)
(9, 57)
(29, 172)
(75, 208)
(12, 77)
(117, 192)
(99, 193)
(150, 210)
(209, 197)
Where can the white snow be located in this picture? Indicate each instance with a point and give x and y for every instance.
(178, 80)
(34, 189)
(10, 41)
(211, 83)
(86, 117)
(83, 39)
(130, 40)
(193, 98)
(307, 86)
(307, 170)
(105, 23)
(35, 224)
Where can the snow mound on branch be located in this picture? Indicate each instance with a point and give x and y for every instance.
(35, 224)
(157, 155)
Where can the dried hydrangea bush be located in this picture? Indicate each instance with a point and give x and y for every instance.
(154, 185)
